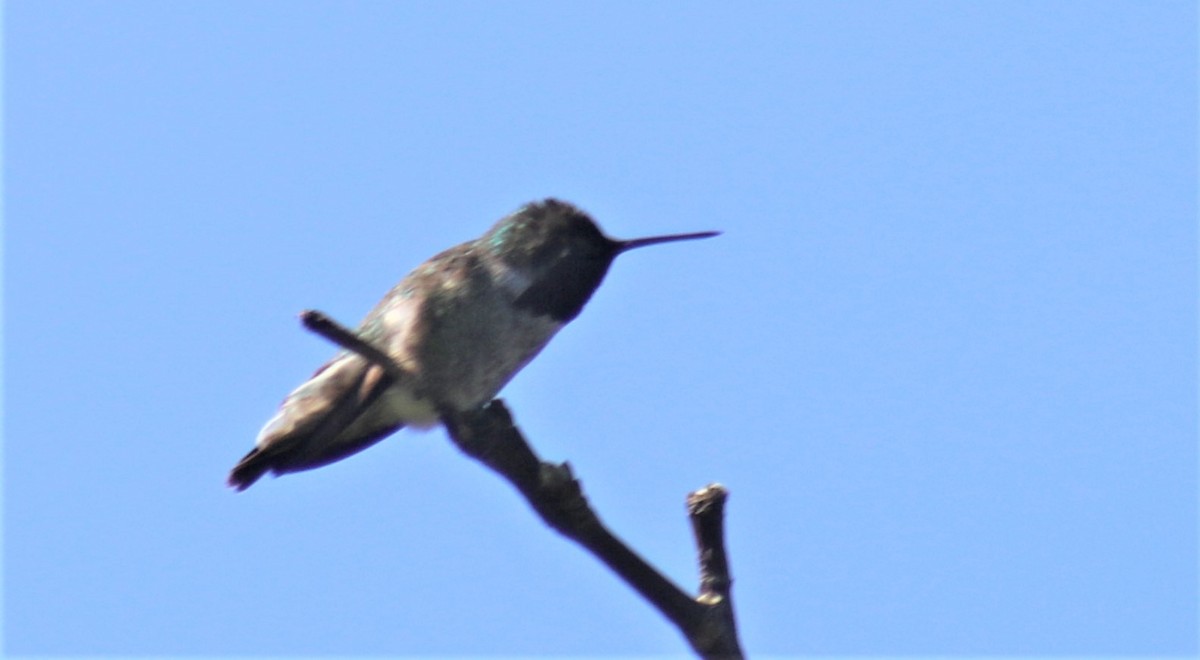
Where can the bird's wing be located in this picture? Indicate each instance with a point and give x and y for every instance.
(337, 412)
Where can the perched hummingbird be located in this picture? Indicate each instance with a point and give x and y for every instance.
(460, 327)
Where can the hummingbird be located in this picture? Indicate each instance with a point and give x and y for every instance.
(459, 327)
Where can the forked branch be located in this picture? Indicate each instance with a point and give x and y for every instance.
(489, 436)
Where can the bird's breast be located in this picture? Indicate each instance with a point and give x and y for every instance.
(465, 340)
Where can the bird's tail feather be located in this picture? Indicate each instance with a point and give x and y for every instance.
(248, 470)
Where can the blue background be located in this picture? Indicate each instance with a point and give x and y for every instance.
(944, 355)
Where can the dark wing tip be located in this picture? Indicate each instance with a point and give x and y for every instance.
(248, 470)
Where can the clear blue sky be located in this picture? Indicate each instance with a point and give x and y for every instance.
(944, 355)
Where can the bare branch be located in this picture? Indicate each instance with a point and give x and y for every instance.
(489, 436)
(706, 509)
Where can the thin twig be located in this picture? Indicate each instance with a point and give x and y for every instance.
(321, 324)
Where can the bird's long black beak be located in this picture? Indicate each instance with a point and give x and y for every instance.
(625, 246)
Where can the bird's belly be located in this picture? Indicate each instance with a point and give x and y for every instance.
(399, 403)
(396, 406)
